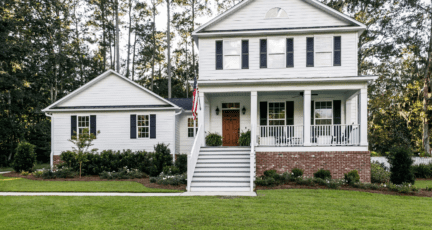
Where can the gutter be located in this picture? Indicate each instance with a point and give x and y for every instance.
(52, 143)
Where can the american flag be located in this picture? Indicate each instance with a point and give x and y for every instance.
(195, 99)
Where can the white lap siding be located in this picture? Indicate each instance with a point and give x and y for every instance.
(185, 141)
(114, 130)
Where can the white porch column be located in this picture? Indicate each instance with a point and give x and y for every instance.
(362, 117)
(306, 117)
(201, 116)
(254, 117)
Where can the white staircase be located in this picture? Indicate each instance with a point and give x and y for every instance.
(222, 170)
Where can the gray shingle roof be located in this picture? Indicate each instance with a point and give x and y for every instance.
(185, 103)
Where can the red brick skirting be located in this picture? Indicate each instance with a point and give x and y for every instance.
(337, 162)
(56, 160)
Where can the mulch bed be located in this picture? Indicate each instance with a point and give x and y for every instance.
(292, 185)
(143, 181)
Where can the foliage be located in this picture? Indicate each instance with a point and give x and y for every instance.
(161, 158)
(48, 174)
(422, 170)
(82, 143)
(25, 157)
(323, 174)
(38, 173)
(170, 179)
(296, 172)
(213, 139)
(65, 172)
(245, 138)
(123, 173)
(379, 174)
(181, 163)
(24, 173)
(68, 157)
(351, 177)
(400, 166)
(171, 170)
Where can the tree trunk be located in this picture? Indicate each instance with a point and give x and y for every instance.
(80, 168)
(426, 143)
(133, 56)
(169, 48)
(154, 46)
(117, 39)
(129, 37)
(103, 35)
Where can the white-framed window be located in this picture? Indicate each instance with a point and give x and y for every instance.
(232, 53)
(276, 113)
(323, 113)
(83, 123)
(276, 52)
(192, 127)
(143, 126)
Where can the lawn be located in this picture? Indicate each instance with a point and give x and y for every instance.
(25, 185)
(38, 166)
(275, 209)
(423, 183)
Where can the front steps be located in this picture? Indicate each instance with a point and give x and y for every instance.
(222, 170)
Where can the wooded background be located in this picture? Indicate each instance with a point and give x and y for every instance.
(48, 48)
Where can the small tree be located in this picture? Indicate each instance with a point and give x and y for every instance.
(25, 157)
(400, 166)
(82, 144)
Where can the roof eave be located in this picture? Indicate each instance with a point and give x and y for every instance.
(287, 80)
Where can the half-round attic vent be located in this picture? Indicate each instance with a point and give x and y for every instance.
(276, 12)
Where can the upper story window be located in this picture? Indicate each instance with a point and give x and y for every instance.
(290, 53)
(337, 50)
(263, 53)
(276, 12)
(309, 52)
(245, 54)
(219, 55)
(232, 53)
(276, 52)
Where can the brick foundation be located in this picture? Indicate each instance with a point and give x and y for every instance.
(56, 160)
(337, 162)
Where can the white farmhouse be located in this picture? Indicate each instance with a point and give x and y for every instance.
(287, 70)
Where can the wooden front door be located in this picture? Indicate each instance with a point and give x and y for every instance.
(230, 127)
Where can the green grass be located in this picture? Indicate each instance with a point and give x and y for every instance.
(38, 166)
(273, 209)
(24, 185)
(423, 183)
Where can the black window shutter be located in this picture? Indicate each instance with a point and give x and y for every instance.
(290, 52)
(73, 127)
(263, 113)
(310, 52)
(289, 113)
(337, 51)
(337, 112)
(93, 124)
(245, 54)
(219, 55)
(263, 53)
(152, 126)
(312, 112)
(133, 128)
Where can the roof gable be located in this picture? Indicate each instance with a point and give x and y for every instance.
(111, 90)
(251, 15)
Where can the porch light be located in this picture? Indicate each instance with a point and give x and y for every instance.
(217, 110)
(244, 110)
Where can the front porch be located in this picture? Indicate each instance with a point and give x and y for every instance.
(289, 120)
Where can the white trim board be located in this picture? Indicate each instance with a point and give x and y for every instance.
(313, 149)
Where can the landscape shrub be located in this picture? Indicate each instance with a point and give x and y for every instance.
(379, 174)
(181, 163)
(213, 139)
(352, 177)
(296, 172)
(266, 181)
(25, 157)
(124, 173)
(48, 174)
(323, 174)
(161, 158)
(400, 166)
(170, 179)
(171, 170)
(422, 170)
(24, 173)
(428, 189)
(65, 172)
(68, 157)
(37, 174)
(245, 138)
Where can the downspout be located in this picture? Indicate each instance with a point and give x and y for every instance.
(175, 132)
(52, 143)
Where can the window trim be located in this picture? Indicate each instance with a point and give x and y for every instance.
(334, 50)
(195, 129)
(268, 113)
(231, 108)
(261, 53)
(216, 55)
(137, 127)
(245, 40)
(332, 109)
(286, 52)
(78, 127)
(313, 52)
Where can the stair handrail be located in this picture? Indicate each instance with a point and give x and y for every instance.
(252, 159)
(193, 157)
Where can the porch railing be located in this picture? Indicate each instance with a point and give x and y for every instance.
(286, 135)
(334, 135)
(193, 157)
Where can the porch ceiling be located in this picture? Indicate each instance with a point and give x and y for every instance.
(228, 94)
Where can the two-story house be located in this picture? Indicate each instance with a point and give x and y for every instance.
(284, 69)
